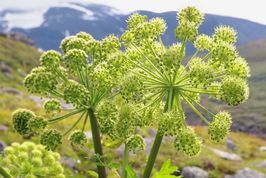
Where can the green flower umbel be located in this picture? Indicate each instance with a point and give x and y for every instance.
(28, 160)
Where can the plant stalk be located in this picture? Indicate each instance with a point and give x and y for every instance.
(4, 173)
(158, 139)
(97, 142)
(153, 154)
(125, 162)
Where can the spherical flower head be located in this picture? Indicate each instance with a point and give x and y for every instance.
(159, 25)
(135, 19)
(190, 14)
(64, 42)
(187, 142)
(78, 138)
(52, 106)
(76, 43)
(226, 34)
(170, 123)
(76, 94)
(50, 59)
(203, 42)
(75, 59)
(131, 88)
(224, 52)
(186, 30)
(40, 81)
(172, 56)
(25, 162)
(219, 128)
(107, 114)
(234, 90)
(110, 44)
(135, 143)
(37, 125)
(127, 38)
(85, 36)
(239, 68)
(200, 72)
(51, 139)
(20, 120)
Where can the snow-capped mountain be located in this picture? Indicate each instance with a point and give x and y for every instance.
(47, 26)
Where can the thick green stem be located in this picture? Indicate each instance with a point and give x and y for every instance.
(158, 139)
(97, 142)
(4, 173)
(153, 154)
(125, 162)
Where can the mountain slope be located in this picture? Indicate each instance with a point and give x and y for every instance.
(16, 60)
(100, 20)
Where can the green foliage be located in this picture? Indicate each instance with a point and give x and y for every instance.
(166, 170)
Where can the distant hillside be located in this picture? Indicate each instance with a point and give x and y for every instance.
(101, 20)
(16, 60)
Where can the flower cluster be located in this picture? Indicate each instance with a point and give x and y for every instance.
(31, 161)
(134, 82)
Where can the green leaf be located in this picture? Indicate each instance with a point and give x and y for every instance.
(92, 173)
(166, 170)
(130, 172)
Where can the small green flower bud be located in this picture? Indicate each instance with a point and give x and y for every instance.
(159, 26)
(170, 123)
(238, 68)
(76, 94)
(76, 59)
(50, 59)
(186, 30)
(64, 42)
(9, 151)
(224, 52)
(110, 44)
(37, 125)
(219, 128)
(20, 119)
(51, 139)
(171, 58)
(187, 142)
(190, 14)
(49, 160)
(226, 34)
(234, 90)
(52, 106)
(29, 145)
(203, 42)
(37, 162)
(78, 138)
(76, 43)
(136, 19)
(41, 81)
(127, 38)
(85, 36)
(135, 143)
(131, 88)
(200, 72)
(37, 153)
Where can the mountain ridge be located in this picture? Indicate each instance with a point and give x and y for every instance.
(101, 20)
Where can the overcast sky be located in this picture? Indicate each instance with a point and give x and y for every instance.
(254, 10)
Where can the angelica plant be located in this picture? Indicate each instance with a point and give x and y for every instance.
(28, 160)
(134, 82)
(168, 81)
